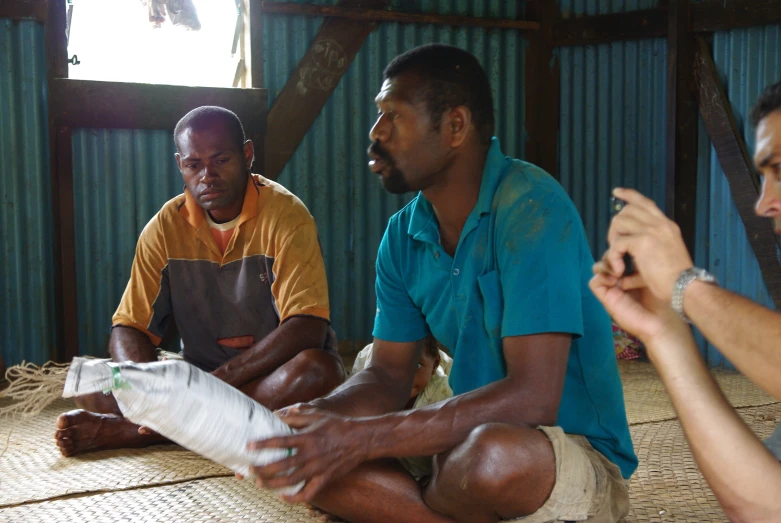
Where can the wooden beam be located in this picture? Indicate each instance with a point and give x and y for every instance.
(85, 103)
(61, 170)
(24, 10)
(543, 90)
(722, 15)
(733, 156)
(706, 16)
(255, 29)
(314, 79)
(681, 139)
(362, 14)
(589, 30)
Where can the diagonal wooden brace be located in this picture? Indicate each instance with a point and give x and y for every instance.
(307, 90)
(737, 166)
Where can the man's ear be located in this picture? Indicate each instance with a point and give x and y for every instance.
(178, 161)
(459, 124)
(249, 154)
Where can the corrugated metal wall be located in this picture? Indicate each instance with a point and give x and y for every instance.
(612, 124)
(612, 132)
(748, 60)
(27, 319)
(121, 178)
(328, 171)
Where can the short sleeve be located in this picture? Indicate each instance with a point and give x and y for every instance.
(146, 302)
(397, 318)
(540, 266)
(300, 287)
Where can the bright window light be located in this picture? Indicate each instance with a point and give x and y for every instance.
(114, 40)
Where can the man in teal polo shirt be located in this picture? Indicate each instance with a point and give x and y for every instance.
(491, 259)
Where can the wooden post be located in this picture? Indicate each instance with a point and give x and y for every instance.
(543, 90)
(253, 24)
(314, 79)
(733, 156)
(681, 196)
(61, 168)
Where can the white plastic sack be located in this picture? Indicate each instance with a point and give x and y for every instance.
(186, 405)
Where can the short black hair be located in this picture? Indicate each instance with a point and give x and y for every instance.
(431, 347)
(450, 77)
(206, 116)
(769, 101)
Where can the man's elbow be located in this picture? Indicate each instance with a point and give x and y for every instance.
(754, 511)
(315, 330)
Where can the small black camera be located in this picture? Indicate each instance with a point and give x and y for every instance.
(616, 205)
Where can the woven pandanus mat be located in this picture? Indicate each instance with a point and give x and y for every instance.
(647, 401)
(33, 469)
(214, 499)
(667, 485)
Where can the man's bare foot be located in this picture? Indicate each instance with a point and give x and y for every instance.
(80, 431)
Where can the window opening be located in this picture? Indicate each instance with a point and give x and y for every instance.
(174, 42)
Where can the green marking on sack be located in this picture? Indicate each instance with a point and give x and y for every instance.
(118, 382)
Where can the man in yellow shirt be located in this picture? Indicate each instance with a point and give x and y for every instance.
(236, 263)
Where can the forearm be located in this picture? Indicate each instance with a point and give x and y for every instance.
(748, 334)
(129, 344)
(370, 392)
(745, 477)
(448, 423)
(295, 335)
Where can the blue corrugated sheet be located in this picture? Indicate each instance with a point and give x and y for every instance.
(27, 319)
(747, 60)
(612, 124)
(328, 171)
(121, 178)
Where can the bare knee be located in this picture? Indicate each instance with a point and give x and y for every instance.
(492, 458)
(495, 461)
(316, 366)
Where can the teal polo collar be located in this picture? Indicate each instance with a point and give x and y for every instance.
(422, 225)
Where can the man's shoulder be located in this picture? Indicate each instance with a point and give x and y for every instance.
(528, 191)
(166, 219)
(525, 180)
(277, 199)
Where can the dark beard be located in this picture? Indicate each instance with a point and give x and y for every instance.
(395, 183)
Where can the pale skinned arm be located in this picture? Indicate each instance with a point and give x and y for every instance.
(742, 473)
(748, 334)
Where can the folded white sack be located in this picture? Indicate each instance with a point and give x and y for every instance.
(186, 405)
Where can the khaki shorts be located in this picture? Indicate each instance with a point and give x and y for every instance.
(589, 487)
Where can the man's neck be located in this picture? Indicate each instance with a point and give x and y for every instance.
(455, 197)
(227, 214)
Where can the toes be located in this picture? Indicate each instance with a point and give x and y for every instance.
(66, 446)
(72, 417)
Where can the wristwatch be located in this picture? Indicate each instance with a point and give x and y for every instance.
(683, 281)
